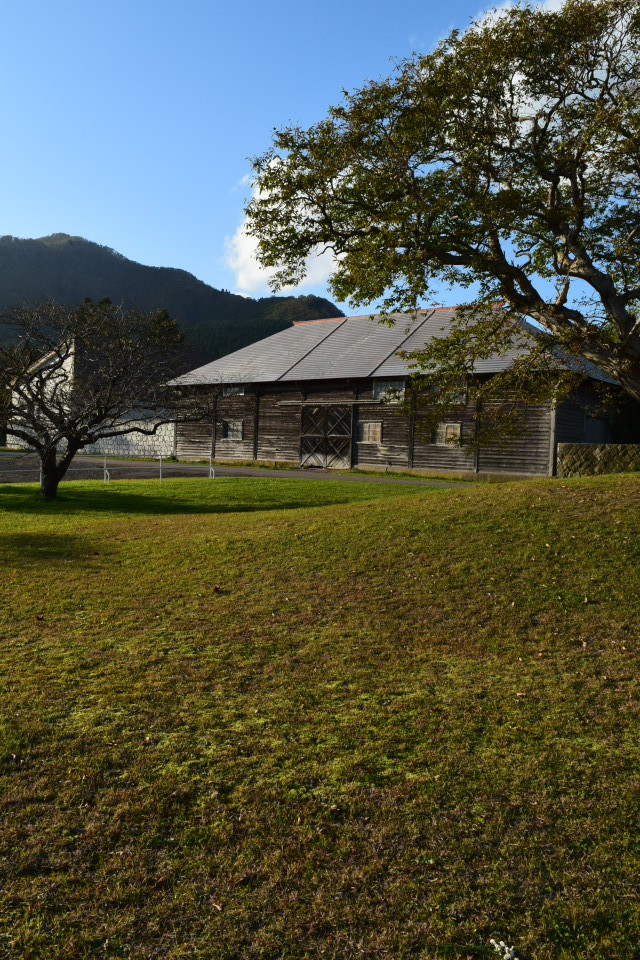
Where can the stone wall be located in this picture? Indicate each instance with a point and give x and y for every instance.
(160, 444)
(589, 459)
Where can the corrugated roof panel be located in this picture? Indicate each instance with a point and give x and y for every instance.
(264, 361)
(437, 325)
(353, 350)
(417, 334)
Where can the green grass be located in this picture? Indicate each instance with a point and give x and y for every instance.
(277, 719)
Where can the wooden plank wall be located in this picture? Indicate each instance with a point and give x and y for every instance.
(526, 452)
(193, 441)
(337, 394)
(435, 456)
(570, 421)
(404, 443)
(394, 450)
(572, 415)
(240, 409)
(279, 427)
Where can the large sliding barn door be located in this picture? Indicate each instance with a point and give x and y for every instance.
(326, 437)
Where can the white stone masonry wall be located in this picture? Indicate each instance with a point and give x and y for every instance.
(159, 444)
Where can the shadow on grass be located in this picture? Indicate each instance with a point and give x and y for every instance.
(233, 495)
(43, 547)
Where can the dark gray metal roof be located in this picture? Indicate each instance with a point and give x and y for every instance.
(357, 348)
(434, 324)
(341, 348)
(267, 360)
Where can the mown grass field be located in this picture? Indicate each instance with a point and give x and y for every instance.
(281, 719)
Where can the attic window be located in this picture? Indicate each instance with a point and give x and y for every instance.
(233, 390)
(232, 429)
(448, 434)
(388, 391)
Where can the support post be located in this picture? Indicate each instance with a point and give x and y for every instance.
(213, 426)
(256, 424)
(412, 439)
(553, 446)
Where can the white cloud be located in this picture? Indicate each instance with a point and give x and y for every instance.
(490, 16)
(250, 277)
(241, 183)
(552, 4)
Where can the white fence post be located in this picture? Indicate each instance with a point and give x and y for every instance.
(212, 472)
(160, 459)
(106, 474)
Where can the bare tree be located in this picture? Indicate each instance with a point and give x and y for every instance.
(76, 375)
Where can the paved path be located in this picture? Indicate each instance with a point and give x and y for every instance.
(18, 467)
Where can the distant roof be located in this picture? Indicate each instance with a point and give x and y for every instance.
(340, 348)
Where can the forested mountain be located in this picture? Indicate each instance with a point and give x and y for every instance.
(68, 269)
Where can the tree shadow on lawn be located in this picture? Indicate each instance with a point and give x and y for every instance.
(43, 547)
(233, 495)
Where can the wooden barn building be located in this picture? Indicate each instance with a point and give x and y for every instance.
(325, 393)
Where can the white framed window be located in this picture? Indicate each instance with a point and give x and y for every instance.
(388, 391)
(232, 429)
(448, 434)
(369, 431)
(233, 390)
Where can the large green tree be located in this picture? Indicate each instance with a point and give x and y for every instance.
(507, 161)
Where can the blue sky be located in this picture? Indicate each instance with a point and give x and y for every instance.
(130, 123)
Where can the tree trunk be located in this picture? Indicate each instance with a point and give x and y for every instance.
(49, 479)
(53, 470)
(631, 384)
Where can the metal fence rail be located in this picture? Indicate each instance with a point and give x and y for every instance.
(102, 471)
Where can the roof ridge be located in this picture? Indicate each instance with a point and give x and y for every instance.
(304, 323)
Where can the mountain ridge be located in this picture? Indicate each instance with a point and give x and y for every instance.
(68, 269)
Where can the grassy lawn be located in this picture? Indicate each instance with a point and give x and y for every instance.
(277, 719)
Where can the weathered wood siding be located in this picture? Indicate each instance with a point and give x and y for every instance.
(279, 427)
(429, 455)
(322, 394)
(570, 421)
(237, 410)
(271, 425)
(193, 441)
(573, 416)
(393, 450)
(394, 447)
(527, 451)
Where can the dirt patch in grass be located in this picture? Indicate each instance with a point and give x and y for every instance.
(274, 719)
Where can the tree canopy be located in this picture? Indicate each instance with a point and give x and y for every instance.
(506, 162)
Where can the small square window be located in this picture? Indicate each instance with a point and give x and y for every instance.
(448, 434)
(369, 432)
(232, 429)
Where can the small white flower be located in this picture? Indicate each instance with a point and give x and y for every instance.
(506, 953)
